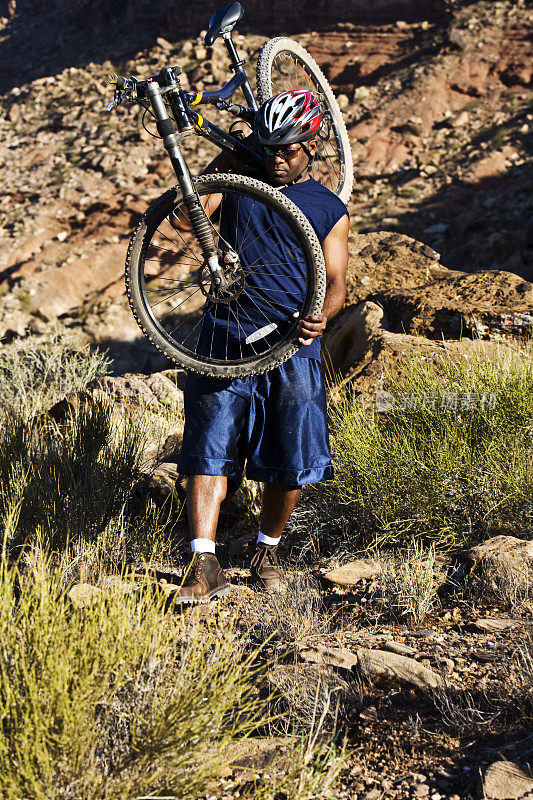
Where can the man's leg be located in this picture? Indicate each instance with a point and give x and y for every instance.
(205, 494)
(205, 579)
(288, 448)
(216, 413)
(278, 504)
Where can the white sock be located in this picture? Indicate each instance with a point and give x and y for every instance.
(202, 546)
(270, 540)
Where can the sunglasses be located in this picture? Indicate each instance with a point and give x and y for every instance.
(285, 152)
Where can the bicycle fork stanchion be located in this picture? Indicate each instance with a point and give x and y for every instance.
(197, 215)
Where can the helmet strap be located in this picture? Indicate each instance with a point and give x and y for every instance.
(309, 165)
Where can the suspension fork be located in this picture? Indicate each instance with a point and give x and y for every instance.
(198, 218)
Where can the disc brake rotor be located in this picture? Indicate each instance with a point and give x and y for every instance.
(234, 276)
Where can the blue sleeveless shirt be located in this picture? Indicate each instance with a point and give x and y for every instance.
(275, 283)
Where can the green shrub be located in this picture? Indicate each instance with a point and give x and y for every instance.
(35, 373)
(435, 474)
(69, 481)
(117, 699)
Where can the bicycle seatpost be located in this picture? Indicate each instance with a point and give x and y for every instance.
(200, 223)
(237, 65)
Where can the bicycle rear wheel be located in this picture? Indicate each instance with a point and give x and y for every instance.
(273, 264)
(283, 64)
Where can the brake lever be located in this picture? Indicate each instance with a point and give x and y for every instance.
(116, 101)
(129, 85)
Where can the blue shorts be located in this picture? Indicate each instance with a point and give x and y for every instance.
(273, 425)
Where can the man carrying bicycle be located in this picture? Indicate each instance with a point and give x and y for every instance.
(274, 423)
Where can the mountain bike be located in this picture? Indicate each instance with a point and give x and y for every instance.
(189, 273)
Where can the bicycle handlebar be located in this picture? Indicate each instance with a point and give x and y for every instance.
(131, 89)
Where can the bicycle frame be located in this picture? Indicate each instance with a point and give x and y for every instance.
(223, 99)
(186, 120)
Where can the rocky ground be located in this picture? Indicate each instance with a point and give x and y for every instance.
(423, 662)
(428, 683)
(440, 122)
(441, 257)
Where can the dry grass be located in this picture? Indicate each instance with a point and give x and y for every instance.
(444, 477)
(293, 617)
(69, 481)
(124, 699)
(37, 372)
(306, 695)
(525, 673)
(410, 583)
(119, 699)
(462, 711)
(314, 769)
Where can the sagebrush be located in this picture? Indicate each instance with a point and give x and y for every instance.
(430, 473)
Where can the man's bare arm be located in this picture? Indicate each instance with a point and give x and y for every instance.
(335, 249)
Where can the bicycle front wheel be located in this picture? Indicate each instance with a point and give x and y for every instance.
(284, 65)
(273, 266)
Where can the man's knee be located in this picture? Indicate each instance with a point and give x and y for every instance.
(214, 487)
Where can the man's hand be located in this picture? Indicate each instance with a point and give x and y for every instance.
(311, 327)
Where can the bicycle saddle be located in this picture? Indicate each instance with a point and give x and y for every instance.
(223, 20)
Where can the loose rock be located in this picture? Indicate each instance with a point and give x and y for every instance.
(351, 573)
(386, 667)
(83, 595)
(504, 780)
(399, 648)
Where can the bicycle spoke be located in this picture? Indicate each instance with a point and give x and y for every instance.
(260, 309)
(172, 310)
(259, 236)
(265, 300)
(184, 320)
(163, 299)
(213, 331)
(192, 330)
(182, 239)
(247, 223)
(183, 284)
(166, 250)
(242, 329)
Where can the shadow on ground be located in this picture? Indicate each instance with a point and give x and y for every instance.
(38, 43)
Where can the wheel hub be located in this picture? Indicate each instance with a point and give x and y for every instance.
(233, 273)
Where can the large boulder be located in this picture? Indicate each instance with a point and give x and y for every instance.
(381, 261)
(485, 304)
(421, 297)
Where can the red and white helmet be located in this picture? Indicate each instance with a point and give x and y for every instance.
(288, 117)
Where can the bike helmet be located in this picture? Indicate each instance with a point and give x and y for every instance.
(287, 118)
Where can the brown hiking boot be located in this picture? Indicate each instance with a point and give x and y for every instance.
(265, 569)
(204, 581)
